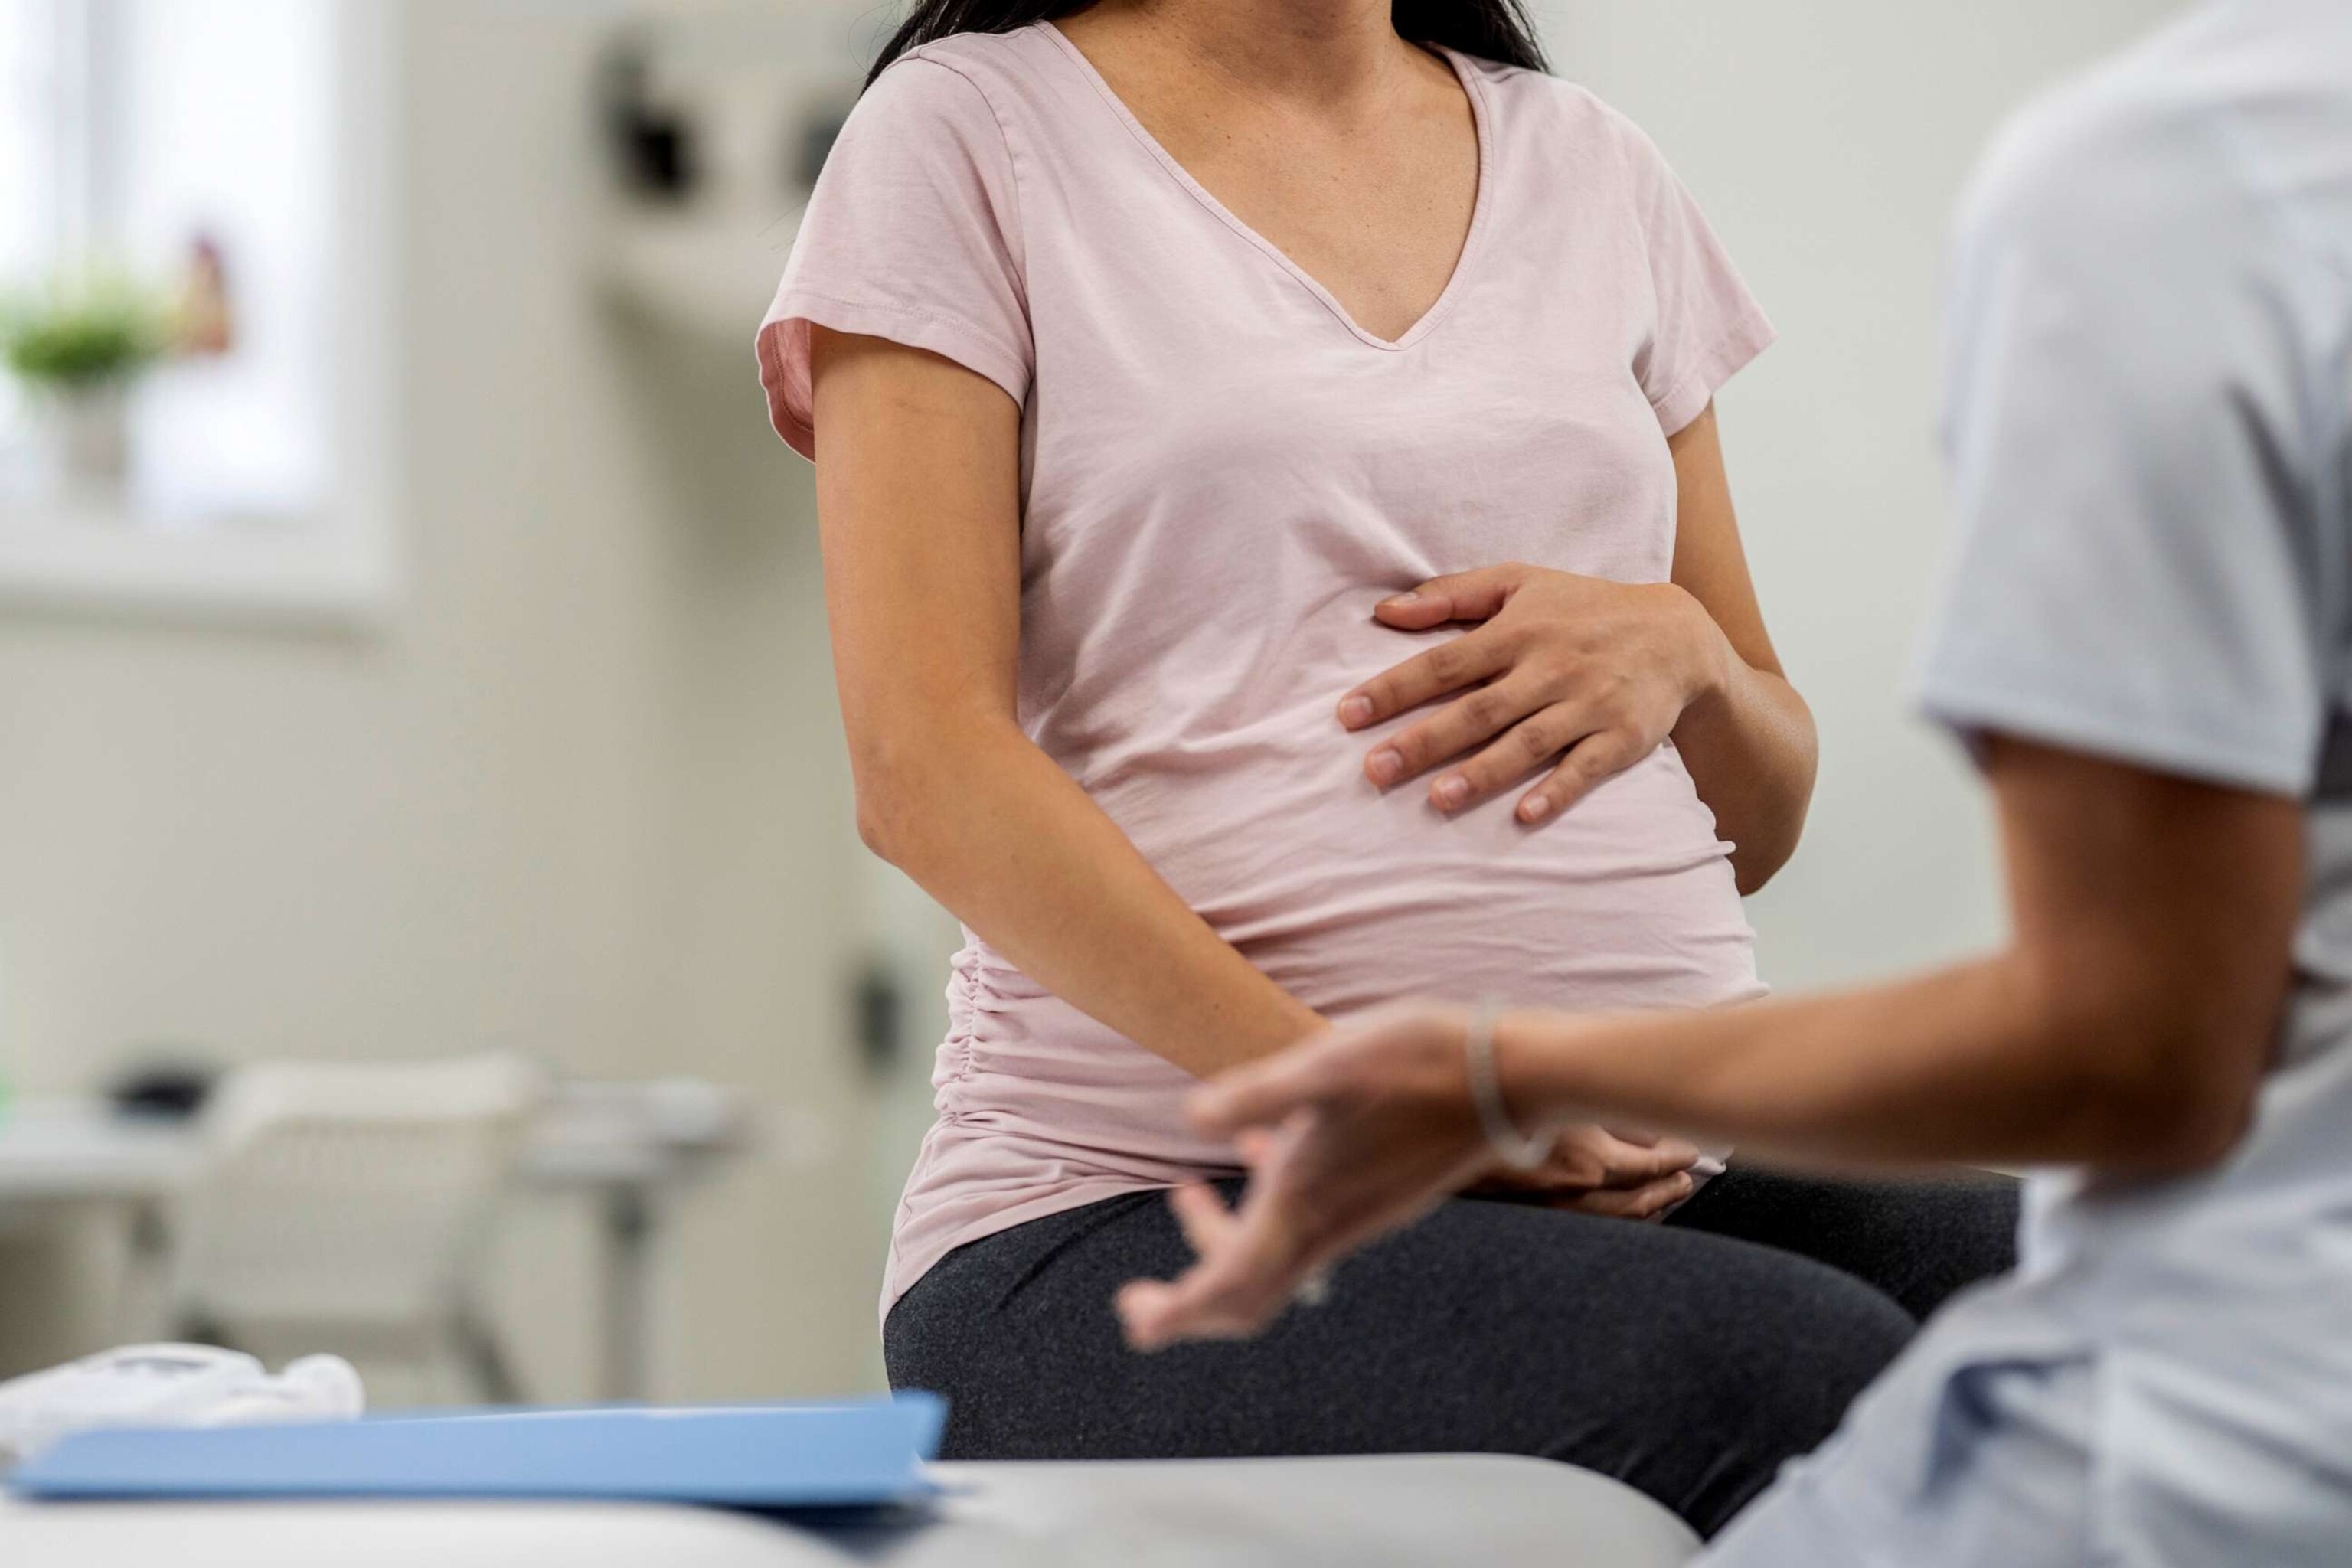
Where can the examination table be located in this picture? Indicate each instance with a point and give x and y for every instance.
(1374, 1513)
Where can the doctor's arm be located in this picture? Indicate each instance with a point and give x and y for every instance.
(2125, 1027)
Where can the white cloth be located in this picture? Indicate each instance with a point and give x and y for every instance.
(2150, 360)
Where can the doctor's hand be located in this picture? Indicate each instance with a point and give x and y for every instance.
(1347, 1136)
(1580, 676)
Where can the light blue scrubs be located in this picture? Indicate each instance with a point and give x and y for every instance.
(2151, 364)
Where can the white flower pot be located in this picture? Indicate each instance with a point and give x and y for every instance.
(90, 428)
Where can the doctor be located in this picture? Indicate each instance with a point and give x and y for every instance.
(2147, 638)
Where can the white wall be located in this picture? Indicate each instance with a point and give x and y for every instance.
(1827, 140)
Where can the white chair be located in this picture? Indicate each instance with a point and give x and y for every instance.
(339, 1202)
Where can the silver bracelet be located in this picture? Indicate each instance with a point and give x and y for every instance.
(1513, 1147)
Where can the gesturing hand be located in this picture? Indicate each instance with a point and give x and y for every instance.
(1346, 1137)
(1581, 672)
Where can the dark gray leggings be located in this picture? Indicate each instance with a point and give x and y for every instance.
(1688, 1359)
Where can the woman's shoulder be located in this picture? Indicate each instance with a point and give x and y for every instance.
(1566, 121)
(1533, 94)
(953, 99)
(1000, 70)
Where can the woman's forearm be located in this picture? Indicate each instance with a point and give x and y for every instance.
(1751, 749)
(919, 498)
(1008, 842)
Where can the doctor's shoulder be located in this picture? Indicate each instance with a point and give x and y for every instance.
(2145, 143)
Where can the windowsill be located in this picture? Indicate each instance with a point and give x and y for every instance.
(92, 558)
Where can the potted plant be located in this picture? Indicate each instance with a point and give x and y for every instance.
(76, 346)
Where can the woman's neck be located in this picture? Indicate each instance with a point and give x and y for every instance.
(1316, 50)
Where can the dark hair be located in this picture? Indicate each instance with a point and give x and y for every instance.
(1491, 29)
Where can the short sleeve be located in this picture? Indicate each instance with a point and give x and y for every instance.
(1707, 327)
(912, 233)
(2140, 565)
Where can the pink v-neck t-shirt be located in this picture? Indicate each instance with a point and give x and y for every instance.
(1222, 473)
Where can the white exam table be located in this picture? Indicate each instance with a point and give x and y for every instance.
(1378, 1512)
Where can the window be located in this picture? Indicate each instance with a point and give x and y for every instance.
(225, 155)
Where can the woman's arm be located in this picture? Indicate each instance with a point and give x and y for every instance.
(918, 497)
(1586, 677)
(2127, 1027)
(1747, 736)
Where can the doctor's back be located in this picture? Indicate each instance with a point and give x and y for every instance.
(2150, 430)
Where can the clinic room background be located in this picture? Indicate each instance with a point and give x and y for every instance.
(466, 691)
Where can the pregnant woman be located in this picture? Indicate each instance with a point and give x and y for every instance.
(1280, 559)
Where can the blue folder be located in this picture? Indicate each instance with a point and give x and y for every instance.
(855, 1454)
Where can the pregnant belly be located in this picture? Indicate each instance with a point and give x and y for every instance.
(1352, 899)
(1349, 899)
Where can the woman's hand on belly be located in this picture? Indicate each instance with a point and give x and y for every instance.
(1580, 674)
(1586, 678)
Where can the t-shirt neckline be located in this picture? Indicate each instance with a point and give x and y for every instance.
(1481, 126)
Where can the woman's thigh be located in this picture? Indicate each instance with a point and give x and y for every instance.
(1686, 1364)
(1920, 1241)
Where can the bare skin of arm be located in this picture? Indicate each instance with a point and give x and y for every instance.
(2125, 1029)
(918, 500)
(1748, 737)
(1573, 680)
